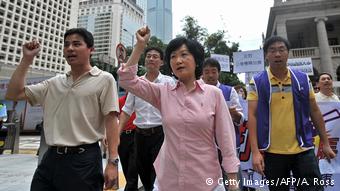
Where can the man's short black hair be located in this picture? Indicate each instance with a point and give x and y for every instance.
(160, 51)
(194, 47)
(212, 63)
(323, 73)
(87, 36)
(273, 39)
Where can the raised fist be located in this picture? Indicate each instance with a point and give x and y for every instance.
(31, 49)
(143, 31)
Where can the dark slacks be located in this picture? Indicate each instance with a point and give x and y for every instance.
(303, 165)
(70, 170)
(147, 148)
(127, 155)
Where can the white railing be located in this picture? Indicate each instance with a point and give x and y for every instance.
(305, 52)
(312, 52)
(335, 50)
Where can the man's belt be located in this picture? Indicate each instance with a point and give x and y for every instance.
(62, 150)
(149, 131)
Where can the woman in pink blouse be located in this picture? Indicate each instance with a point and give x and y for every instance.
(194, 115)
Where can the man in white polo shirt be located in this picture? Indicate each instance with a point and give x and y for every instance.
(326, 93)
(149, 134)
(78, 108)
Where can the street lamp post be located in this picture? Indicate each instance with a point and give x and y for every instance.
(132, 37)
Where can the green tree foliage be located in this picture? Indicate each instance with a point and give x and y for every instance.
(230, 79)
(128, 51)
(156, 42)
(214, 44)
(192, 30)
(214, 41)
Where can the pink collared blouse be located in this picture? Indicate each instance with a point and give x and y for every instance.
(191, 120)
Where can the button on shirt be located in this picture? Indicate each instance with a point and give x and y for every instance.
(191, 120)
(74, 110)
(147, 116)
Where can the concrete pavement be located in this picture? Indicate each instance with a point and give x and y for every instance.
(16, 171)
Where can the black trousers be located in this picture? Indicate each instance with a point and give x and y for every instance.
(303, 165)
(147, 148)
(127, 155)
(71, 171)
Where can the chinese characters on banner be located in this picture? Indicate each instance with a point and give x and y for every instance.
(248, 61)
(223, 60)
(304, 65)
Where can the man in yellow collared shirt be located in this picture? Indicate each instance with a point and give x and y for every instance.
(280, 103)
(282, 95)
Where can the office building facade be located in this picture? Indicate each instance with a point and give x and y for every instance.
(143, 5)
(111, 22)
(45, 20)
(159, 19)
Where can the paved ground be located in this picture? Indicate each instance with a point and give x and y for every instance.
(16, 170)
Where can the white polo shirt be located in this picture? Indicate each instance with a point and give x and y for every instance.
(320, 97)
(147, 116)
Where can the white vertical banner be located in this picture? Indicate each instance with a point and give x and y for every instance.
(223, 60)
(301, 64)
(248, 61)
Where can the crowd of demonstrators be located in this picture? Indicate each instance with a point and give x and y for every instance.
(281, 101)
(194, 114)
(173, 134)
(325, 86)
(149, 134)
(73, 160)
(127, 147)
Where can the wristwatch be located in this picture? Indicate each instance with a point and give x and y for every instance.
(114, 161)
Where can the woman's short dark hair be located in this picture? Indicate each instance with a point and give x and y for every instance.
(194, 47)
(87, 36)
(160, 51)
(273, 39)
(212, 63)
